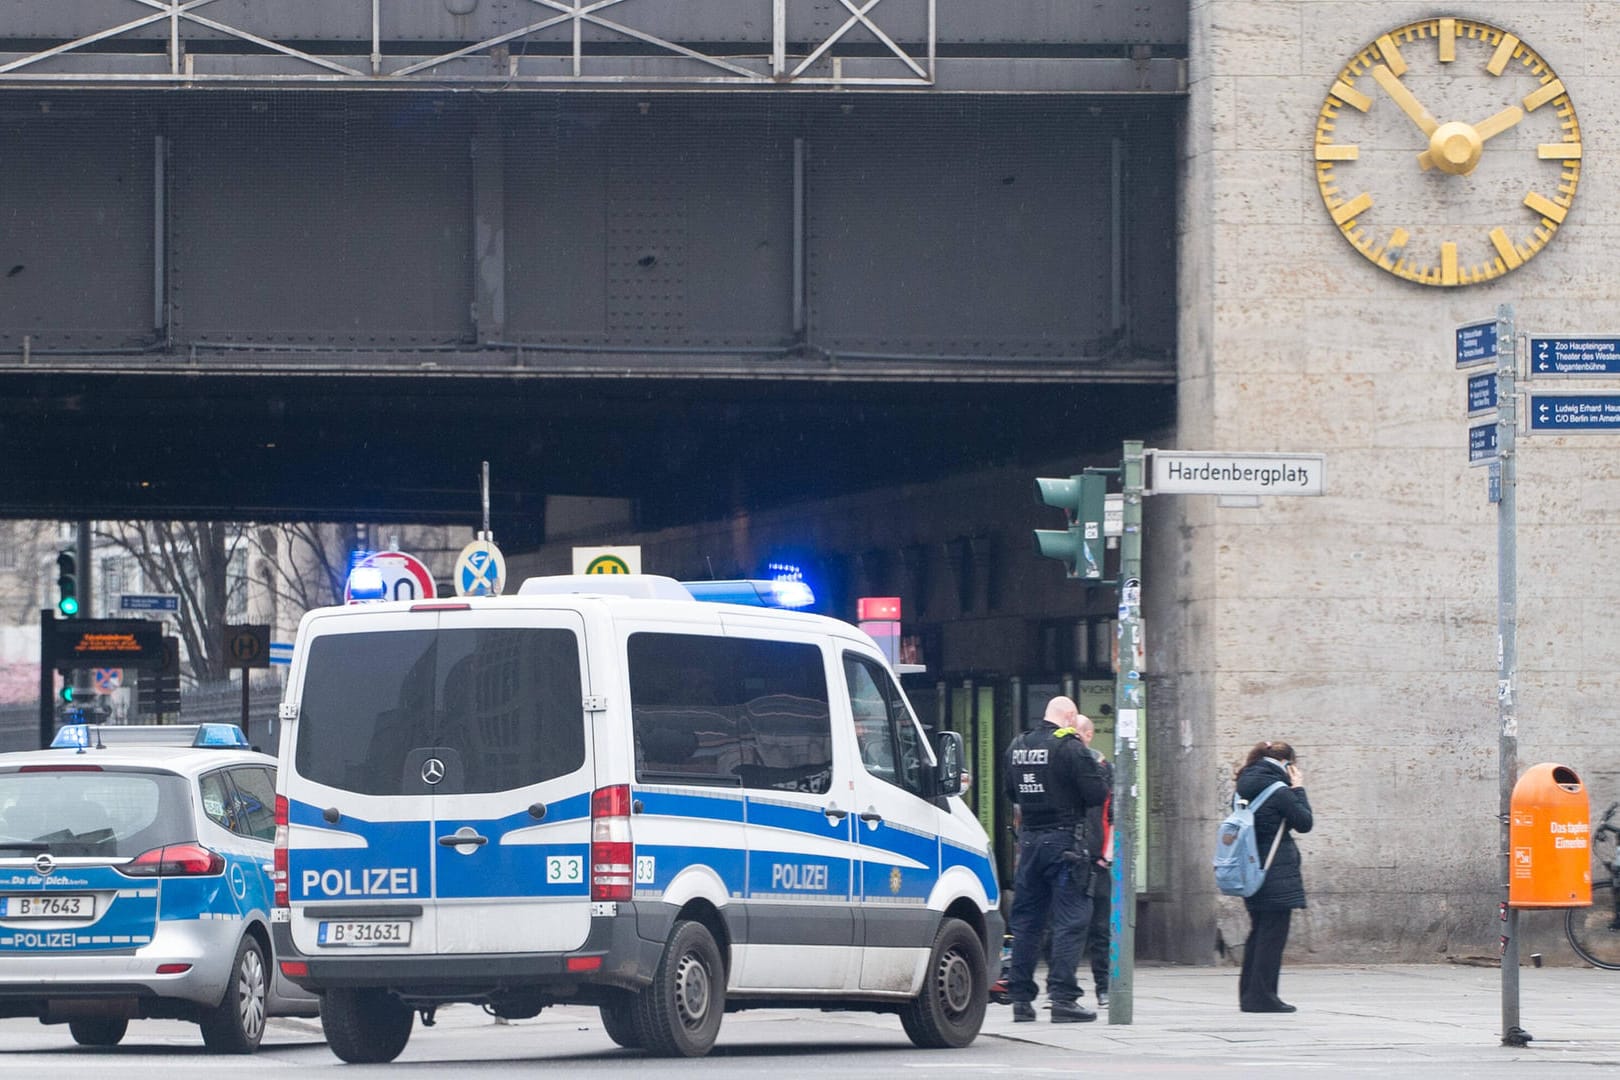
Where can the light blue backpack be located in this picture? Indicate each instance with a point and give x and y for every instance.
(1238, 869)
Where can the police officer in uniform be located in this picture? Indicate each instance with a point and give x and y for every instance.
(1052, 780)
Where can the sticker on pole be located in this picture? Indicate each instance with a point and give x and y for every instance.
(389, 575)
(480, 570)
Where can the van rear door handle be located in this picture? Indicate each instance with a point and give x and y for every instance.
(458, 838)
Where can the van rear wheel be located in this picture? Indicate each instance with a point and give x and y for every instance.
(98, 1030)
(619, 1021)
(679, 1014)
(950, 1009)
(366, 1026)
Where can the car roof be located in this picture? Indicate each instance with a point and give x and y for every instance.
(185, 760)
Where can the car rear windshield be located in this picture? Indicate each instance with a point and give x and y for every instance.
(495, 709)
(105, 814)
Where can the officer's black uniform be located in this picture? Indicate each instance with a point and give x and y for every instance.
(1054, 780)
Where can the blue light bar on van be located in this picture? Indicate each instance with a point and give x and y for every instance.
(753, 593)
(222, 736)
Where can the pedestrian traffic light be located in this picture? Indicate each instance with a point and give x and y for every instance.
(67, 582)
(1081, 497)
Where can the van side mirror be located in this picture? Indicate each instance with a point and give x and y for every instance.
(948, 752)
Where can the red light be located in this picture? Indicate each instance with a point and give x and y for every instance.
(291, 968)
(175, 860)
(584, 963)
(60, 768)
(278, 872)
(878, 609)
(441, 607)
(173, 969)
(612, 853)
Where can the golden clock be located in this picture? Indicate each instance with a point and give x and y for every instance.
(1447, 152)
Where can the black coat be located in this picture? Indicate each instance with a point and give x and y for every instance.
(1284, 886)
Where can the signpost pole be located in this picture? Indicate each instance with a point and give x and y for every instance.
(1128, 702)
(1507, 589)
(244, 701)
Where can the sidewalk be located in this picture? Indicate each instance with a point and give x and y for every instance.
(1421, 1012)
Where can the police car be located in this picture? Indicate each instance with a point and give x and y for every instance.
(134, 883)
(603, 791)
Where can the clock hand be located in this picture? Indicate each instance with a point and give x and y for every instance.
(1404, 98)
(1460, 144)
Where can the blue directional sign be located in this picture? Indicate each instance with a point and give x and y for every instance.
(1578, 356)
(1476, 343)
(1482, 444)
(1481, 393)
(1575, 414)
(1493, 485)
(149, 602)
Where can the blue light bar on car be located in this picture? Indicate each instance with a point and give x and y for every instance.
(753, 593)
(222, 736)
(212, 736)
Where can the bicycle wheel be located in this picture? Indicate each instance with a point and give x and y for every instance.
(1594, 932)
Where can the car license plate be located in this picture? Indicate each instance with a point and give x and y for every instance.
(48, 907)
(364, 933)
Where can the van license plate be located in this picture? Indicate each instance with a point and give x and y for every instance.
(364, 933)
(47, 907)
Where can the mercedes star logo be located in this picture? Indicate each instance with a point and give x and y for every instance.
(432, 771)
(44, 865)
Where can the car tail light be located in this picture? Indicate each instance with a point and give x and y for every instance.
(173, 969)
(278, 876)
(291, 968)
(612, 853)
(175, 860)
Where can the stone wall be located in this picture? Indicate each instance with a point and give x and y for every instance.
(1361, 626)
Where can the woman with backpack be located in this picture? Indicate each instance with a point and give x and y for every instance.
(1283, 890)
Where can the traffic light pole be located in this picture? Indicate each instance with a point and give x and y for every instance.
(1129, 703)
(47, 677)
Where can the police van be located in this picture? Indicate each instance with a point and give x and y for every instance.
(605, 791)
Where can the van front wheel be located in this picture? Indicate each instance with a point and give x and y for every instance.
(679, 1014)
(365, 1027)
(950, 1009)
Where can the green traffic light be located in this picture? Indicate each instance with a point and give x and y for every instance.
(68, 605)
(67, 692)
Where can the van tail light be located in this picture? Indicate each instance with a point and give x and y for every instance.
(175, 860)
(612, 853)
(278, 876)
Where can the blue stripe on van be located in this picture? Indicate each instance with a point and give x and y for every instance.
(674, 804)
(881, 881)
(665, 861)
(954, 855)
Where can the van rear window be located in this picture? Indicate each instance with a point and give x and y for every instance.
(499, 708)
(734, 711)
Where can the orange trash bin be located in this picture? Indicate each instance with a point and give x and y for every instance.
(1550, 835)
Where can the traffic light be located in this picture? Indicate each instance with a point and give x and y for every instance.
(1082, 498)
(67, 581)
(67, 689)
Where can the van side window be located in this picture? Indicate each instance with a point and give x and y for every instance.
(891, 747)
(734, 711)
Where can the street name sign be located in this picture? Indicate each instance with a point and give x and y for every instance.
(1481, 393)
(1482, 444)
(1476, 343)
(1574, 356)
(149, 602)
(1575, 414)
(1213, 472)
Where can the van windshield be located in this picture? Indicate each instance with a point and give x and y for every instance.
(497, 708)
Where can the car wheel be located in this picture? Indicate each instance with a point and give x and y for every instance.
(679, 1014)
(236, 1024)
(365, 1026)
(950, 1009)
(619, 1021)
(98, 1030)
